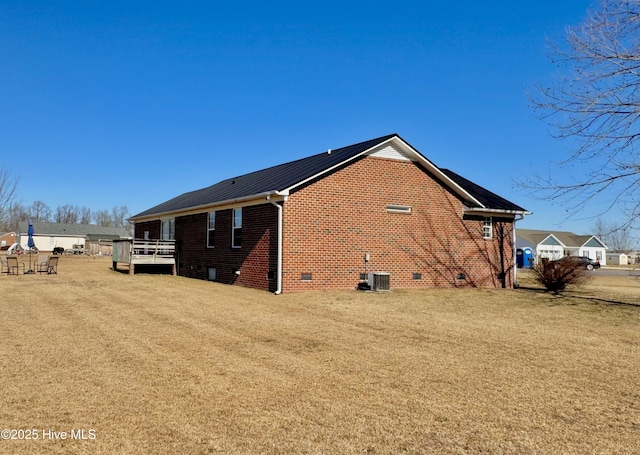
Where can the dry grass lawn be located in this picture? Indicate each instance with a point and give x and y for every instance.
(164, 365)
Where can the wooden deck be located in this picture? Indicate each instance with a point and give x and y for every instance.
(144, 252)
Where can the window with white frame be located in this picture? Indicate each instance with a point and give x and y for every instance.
(211, 230)
(236, 232)
(168, 229)
(487, 228)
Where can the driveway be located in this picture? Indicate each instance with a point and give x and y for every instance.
(617, 271)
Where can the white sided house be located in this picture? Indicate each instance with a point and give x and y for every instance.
(558, 244)
(78, 237)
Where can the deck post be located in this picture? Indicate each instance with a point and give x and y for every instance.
(132, 268)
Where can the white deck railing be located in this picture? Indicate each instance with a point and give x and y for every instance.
(153, 251)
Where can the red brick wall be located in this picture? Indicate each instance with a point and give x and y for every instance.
(152, 226)
(254, 259)
(330, 225)
(9, 239)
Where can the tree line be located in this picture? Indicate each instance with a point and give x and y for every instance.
(13, 211)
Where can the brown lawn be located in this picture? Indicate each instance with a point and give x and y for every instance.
(160, 364)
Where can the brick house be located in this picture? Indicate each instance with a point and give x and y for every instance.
(323, 221)
(7, 239)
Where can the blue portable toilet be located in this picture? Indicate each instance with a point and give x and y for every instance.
(527, 257)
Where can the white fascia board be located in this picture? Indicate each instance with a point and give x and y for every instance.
(256, 199)
(415, 156)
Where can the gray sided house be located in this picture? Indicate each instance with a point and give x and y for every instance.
(618, 259)
(376, 210)
(85, 237)
(558, 244)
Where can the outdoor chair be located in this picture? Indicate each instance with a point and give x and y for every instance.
(50, 266)
(13, 266)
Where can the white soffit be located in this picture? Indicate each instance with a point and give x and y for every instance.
(389, 152)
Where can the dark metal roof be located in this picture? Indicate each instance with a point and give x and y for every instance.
(276, 178)
(285, 176)
(488, 199)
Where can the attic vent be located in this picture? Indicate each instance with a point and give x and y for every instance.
(394, 208)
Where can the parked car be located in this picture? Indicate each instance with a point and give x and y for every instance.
(583, 261)
(589, 264)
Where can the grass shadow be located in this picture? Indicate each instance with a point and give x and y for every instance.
(573, 295)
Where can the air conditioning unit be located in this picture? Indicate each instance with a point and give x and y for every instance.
(379, 281)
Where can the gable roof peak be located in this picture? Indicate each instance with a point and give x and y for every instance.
(284, 178)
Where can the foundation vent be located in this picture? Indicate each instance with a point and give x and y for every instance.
(379, 281)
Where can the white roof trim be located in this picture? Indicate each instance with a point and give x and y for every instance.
(203, 208)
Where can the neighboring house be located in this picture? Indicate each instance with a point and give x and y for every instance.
(8, 239)
(325, 221)
(558, 244)
(48, 236)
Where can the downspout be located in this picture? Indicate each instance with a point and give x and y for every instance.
(279, 266)
(515, 256)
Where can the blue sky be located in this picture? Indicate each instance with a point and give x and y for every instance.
(115, 103)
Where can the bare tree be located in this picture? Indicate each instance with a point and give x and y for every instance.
(102, 218)
(39, 211)
(84, 215)
(8, 186)
(15, 213)
(119, 216)
(67, 214)
(596, 105)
